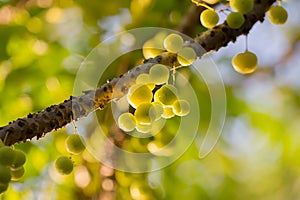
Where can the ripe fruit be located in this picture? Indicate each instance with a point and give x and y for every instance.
(74, 144)
(7, 156)
(152, 48)
(277, 15)
(168, 112)
(245, 63)
(145, 114)
(144, 128)
(139, 94)
(64, 165)
(181, 107)
(235, 20)
(211, 1)
(159, 110)
(4, 174)
(144, 79)
(16, 173)
(243, 6)
(186, 56)
(126, 122)
(209, 18)
(159, 74)
(173, 43)
(20, 158)
(166, 95)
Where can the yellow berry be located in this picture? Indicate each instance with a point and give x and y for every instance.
(127, 122)
(181, 107)
(173, 43)
(209, 18)
(245, 63)
(277, 15)
(138, 94)
(186, 56)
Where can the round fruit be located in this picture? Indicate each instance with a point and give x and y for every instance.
(211, 1)
(173, 43)
(4, 174)
(139, 94)
(159, 74)
(168, 112)
(181, 107)
(64, 165)
(186, 56)
(166, 95)
(235, 20)
(3, 187)
(16, 173)
(20, 158)
(7, 156)
(144, 79)
(74, 144)
(144, 128)
(277, 15)
(159, 110)
(126, 122)
(245, 63)
(209, 18)
(151, 49)
(145, 113)
(243, 6)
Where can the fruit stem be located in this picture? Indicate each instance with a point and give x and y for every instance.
(74, 126)
(279, 2)
(202, 4)
(246, 41)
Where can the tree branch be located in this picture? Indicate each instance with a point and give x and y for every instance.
(57, 116)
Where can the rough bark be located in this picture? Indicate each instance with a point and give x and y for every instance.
(57, 116)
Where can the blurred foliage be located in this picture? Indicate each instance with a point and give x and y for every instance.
(42, 45)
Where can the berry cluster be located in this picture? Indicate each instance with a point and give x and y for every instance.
(74, 145)
(245, 62)
(153, 100)
(172, 43)
(11, 165)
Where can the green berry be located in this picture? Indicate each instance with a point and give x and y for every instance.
(5, 176)
(7, 156)
(16, 173)
(243, 6)
(235, 20)
(64, 165)
(20, 158)
(74, 144)
(277, 15)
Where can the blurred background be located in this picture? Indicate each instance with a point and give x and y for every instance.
(43, 42)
